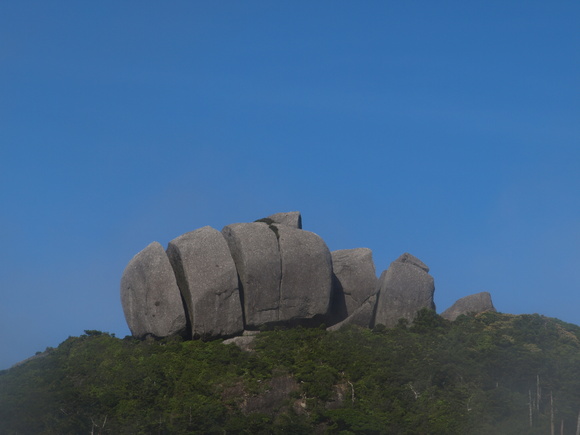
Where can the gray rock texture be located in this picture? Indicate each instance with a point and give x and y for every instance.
(306, 280)
(254, 248)
(207, 277)
(244, 342)
(404, 288)
(362, 316)
(408, 258)
(291, 219)
(150, 296)
(472, 304)
(354, 280)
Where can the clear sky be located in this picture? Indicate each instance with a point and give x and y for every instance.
(450, 130)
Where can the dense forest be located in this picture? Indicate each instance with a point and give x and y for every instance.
(490, 373)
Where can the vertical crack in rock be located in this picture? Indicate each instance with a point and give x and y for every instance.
(255, 251)
(177, 267)
(277, 233)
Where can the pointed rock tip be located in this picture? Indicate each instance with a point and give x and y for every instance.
(411, 259)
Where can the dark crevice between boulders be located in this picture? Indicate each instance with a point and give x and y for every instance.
(241, 292)
(337, 310)
(179, 273)
(265, 220)
(374, 313)
(274, 228)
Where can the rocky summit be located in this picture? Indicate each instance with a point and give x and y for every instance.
(223, 284)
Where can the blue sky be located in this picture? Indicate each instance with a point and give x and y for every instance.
(449, 130)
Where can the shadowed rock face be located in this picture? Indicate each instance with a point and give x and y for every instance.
(150, 297)
(354, 280)
(207, 277)
(306, 279)
(404, 288)
(362, 316)
(472, 304)
(254, 248)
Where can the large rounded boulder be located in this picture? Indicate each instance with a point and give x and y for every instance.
(404, 288)
(306, 280)
(150, 296)
(207, 277)
(254, 248)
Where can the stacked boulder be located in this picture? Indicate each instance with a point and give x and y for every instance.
(210, 284)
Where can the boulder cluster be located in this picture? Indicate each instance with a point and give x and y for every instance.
(209, 284)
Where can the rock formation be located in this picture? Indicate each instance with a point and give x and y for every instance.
(211, 284)
(254, 248)
(306, 281)
(354, 280)
(472, 304)
(285, 272)
(207, 277)
(150, 297)
(291, 219)
(404, 288)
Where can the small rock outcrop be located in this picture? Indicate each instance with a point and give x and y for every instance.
(472, 304)
(207, 277)
(404, 288)
(291, 219)
(354, 280)
(150, 296)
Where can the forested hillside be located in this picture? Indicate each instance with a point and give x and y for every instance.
(492, 373)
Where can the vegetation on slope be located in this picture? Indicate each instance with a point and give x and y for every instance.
(492, 373)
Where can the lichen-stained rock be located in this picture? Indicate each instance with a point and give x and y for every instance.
(207, 277)
(472, 304)
(355, 278)
(362, 316)
(306, 280)
(254, 248)
(291, 219)
(404, 288)
(150, 297)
